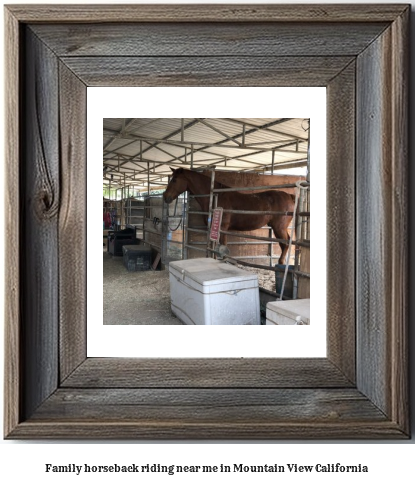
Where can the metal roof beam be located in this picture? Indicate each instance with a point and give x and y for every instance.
(267, 127)
(218, 158)
(190, 124)
(227, 136)
(188, 144)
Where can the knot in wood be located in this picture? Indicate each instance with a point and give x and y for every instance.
(46, 206)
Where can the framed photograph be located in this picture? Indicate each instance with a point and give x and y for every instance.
(360, 389)
(132, 161)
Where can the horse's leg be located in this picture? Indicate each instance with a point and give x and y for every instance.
(279, 226)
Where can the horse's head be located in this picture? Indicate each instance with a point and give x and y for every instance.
(176, 186)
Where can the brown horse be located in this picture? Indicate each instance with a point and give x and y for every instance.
(267, 201)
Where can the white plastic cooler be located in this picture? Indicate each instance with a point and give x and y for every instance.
(288, 312)
(208, 292)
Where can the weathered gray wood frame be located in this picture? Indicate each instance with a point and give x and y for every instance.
(359, 52)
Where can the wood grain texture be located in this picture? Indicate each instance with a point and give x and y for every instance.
(206, 13)
(12, 371)
(341, 237)
(373, 197)
(205, 71)
(206, 373)
(209, 405)
(72, 222)
(382, 247)
(208, 399)
(180, 39)
(400, 205)
(188, 430)
(39, 254)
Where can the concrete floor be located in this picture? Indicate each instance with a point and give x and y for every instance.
(135, 298)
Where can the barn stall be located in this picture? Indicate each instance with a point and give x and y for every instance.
(143, 234)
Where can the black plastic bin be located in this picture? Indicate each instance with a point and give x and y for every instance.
(137, 257)
(120, 238)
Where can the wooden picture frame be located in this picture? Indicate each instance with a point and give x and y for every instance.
(360, 53)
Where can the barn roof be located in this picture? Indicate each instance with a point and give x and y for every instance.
(140, 152)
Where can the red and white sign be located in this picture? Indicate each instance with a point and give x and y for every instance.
(216, 221)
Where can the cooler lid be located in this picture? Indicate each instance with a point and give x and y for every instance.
(292, 308)
(208, 271)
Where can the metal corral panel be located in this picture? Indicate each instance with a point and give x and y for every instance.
(241, 180)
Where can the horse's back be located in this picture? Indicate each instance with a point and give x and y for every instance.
(272, 200)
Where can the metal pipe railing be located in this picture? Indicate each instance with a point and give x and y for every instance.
(153, 232)
(300, 242)
(246, 188)
(175, 241)
(249, 188)
(257, 212)
(266, 239)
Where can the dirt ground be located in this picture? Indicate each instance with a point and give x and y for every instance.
(135, 298)
(143, 297)
(266, 278)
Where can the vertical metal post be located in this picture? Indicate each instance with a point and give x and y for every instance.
(297, 227)
(308, 152)
(306, 229)
(182, 130)
(148, 195)
(164, 231)
(299, 222)
(123, 219)
(270, 246)
(191, 162)
(212, 186)
(270, 230)
(186, 232)
(144, 218)
(215, 205)
(127, 205)
(295, 277)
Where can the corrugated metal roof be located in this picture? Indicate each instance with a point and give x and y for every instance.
(140, 152)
